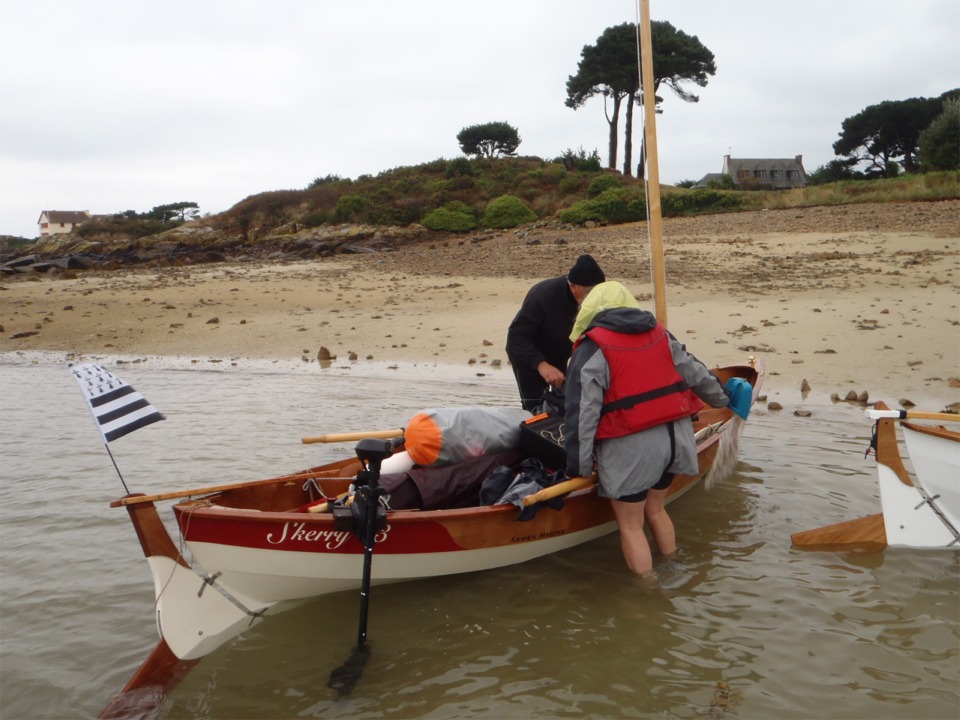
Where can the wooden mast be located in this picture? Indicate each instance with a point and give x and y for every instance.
(653, 171)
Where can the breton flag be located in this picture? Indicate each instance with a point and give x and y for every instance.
(117, 408)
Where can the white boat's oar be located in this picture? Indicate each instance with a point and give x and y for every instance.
(874, 414)
(866, 531)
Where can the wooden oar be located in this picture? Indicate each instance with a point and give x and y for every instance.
(136, 499)
(867, 530)
(561, 488)
(347, 437)
(874, 414)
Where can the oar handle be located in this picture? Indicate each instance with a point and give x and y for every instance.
(874, 414)
(561, 488)
(347, 437)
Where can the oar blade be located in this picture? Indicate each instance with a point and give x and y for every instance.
(865, 532)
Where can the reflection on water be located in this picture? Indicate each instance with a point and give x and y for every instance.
(793, 634)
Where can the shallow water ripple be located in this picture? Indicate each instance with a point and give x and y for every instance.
(742, 626)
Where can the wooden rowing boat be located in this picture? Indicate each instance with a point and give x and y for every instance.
(919, 510)
(261, 552)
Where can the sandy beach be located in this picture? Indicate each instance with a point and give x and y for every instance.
(861, 298)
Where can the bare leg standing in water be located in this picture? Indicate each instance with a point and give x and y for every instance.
(633, 540)
(661, 526)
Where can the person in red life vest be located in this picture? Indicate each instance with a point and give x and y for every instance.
(538, 342)
(631, 391)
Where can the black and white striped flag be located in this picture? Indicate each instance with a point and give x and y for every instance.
(117, 408)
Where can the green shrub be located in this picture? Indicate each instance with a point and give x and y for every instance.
(699, 201)
(602, 183)
(591, 163)
(725, 182)
(461, 182)
(123, 226)
(458, 206)
(434, 166)
(579, 160)
(554, 174)
(450, 220)
(616, 205)
(507, 211)
(348, 207)
(571, 184)
(315, 218)
(325, 180)
(458, 166)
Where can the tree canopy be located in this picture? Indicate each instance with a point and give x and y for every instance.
(887, 134)
(489, 140)
(939, 144)
(609, 69)
(172, 212)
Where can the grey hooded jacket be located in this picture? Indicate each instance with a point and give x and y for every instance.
(632, 463)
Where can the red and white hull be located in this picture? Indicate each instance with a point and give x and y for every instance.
(255, 551)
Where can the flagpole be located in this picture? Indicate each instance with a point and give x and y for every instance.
(115, 467)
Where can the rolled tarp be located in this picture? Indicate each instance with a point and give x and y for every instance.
(442, 436)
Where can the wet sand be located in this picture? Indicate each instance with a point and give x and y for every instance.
(858, 307)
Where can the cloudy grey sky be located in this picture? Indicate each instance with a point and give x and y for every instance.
(110, 105)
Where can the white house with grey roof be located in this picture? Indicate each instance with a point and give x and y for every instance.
(768, 173)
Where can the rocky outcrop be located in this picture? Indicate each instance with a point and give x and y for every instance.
(196, 243)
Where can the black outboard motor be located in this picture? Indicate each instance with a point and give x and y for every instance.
(366, 515)
(363, 517)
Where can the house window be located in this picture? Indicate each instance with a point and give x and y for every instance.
(776, 174)
(760, 174)
(792, 174)
(44, 225)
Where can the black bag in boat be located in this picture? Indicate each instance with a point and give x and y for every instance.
(506, 486)
(444, 488)
(541, 437)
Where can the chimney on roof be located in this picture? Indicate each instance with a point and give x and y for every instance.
(800, 159)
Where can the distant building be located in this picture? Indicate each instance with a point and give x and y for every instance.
(58, 222)
(768, 173)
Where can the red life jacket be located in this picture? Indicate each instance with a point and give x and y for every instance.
(645, 387)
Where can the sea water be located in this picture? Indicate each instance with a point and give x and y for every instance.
(743, 626)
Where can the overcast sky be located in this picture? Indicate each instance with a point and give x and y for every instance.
(110, 105)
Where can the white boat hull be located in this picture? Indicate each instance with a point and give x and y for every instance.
(937, 465)
(921, 510)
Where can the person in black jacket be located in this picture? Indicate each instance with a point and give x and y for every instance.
(538, 340)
